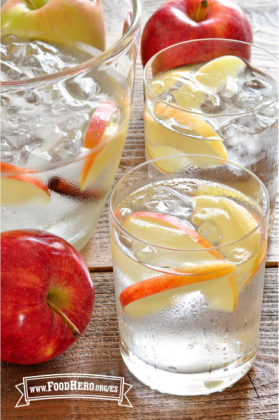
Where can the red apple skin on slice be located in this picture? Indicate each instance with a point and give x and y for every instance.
(23, 189)
(8, 169)
(196, 274)
(168, 281)
(10, 189)
(94, 136)
(173, 221)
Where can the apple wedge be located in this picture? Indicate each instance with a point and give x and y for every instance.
(18, 187)
(215, 74)
(235, 224)
(165, 282)
(95, 138)
(205, 267)
(170, 232)
(198, 136)
(10, 170)
(23, 190)
(221, 294)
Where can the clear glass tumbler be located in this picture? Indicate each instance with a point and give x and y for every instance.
(65, 115)
(188, 247)
(215, 97)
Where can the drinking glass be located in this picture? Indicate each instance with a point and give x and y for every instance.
(215, 97)
(63, 132)
(188, 246)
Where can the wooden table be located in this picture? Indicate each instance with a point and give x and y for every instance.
(254, 397)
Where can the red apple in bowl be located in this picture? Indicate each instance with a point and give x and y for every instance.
(184, 20)
(63, 21)
(47, 296)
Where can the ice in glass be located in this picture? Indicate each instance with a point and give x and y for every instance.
(65, 115)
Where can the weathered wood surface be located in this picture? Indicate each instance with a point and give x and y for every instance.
(254, 397)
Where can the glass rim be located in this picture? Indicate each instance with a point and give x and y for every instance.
(125, 40)
(263, 219)
(189, 110)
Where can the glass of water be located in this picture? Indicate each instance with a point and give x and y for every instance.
(188, 249)
(215, 97)
(65, 114)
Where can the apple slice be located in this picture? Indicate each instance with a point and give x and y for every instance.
(198, 136)
(159, 284)
(188, 95)
(95, 136)
(23, 190)
(234, 222)
(169, 231)
(214, 75)
(221, 294)
(8, 169)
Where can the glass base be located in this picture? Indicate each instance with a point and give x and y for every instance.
(186, 384)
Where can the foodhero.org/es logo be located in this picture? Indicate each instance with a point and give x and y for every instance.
(73, 385)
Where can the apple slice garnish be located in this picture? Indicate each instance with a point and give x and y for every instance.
(161, 141)
(23, 189)
(169, 231)
(234, 222)
(18, 187)
(221, 294)
(159, 284)
(95, 136)
(10, 170)
(214, 75)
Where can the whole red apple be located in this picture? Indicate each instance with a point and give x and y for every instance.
(47, 296)
(62, 21)
(183, 20)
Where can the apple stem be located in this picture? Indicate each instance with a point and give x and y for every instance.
(203, 4)
(31, 4)
(65, 319)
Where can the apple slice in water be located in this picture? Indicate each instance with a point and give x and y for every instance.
(18, 187)
(198, 137)
(215, 74)
(220, 293)
(234, 222)
(23, 190)
(95, 137)
(206, 267)
(11, 170)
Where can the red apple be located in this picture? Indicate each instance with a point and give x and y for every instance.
(63, 21)
(47, 296)
(184, 20)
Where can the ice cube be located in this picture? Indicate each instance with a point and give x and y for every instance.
(31, 66)
(211, 232)
(231, 89)
(9, 71)
(169, 201)
(81, 87)
(249, 100)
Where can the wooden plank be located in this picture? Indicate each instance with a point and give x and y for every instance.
(253, 397)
